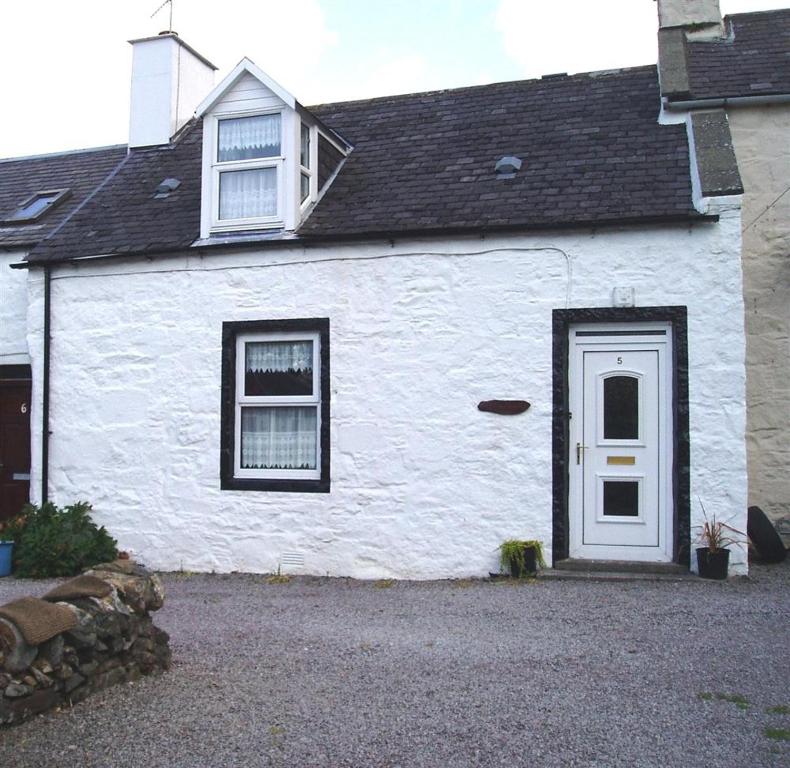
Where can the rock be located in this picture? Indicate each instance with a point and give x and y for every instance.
(18, 654)
(64, 672)
(88, 668)
(142, 590)
(81, 693)
(29, 681)
(73, 682)
(42, 664)
(4, 680)
(144, 644)
(84, 634)
(51, 653)
(40, 701)
(44, 681)
(16, 690)
(147, 661)
(106, 666)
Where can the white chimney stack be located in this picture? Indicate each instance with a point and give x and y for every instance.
(700, 18)
(169, 80)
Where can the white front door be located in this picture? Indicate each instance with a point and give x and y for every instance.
(620, 388)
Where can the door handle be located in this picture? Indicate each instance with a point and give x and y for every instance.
(579, 449)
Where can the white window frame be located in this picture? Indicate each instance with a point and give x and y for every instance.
(277, 162)
(242, 400)
(312, 171)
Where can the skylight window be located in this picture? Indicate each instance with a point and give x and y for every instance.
(37, 205)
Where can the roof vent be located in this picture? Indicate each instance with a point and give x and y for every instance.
(507, 166)
(166, 187)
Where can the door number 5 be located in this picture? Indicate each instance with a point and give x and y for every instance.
(619, 360)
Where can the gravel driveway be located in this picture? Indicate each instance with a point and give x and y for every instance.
(331, 672)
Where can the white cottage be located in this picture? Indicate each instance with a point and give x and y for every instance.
(268, 336)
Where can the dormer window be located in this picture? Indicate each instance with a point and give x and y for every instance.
(248, 170)
(261, 150)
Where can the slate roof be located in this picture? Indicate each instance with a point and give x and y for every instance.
(752, 60)
(81, 172)
(593, 153)
(591, 146)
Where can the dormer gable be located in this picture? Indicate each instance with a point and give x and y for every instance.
(260, 155)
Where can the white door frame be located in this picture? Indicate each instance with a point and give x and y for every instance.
(612, 337)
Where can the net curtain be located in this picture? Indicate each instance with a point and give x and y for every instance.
(279, 356)
(278, 438)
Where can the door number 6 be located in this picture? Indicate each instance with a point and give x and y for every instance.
(23, 408)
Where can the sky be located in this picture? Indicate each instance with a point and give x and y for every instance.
(66, 64)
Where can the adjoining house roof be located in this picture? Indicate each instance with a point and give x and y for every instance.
(80, 172)
(752, 60)
(592, 151)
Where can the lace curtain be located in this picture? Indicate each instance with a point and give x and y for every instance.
(278, 438)
(245, 138)
(248, 194)
(279, 356)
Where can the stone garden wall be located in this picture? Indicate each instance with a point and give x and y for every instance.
(89, 633)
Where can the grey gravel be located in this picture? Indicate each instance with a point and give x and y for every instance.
(334, 672)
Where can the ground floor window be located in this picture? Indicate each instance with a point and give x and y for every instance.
(275, 405)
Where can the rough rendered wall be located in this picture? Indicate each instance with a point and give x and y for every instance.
(762, 144)
(423, 484)
(13, 310)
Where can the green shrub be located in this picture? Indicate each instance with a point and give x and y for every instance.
(11, 529)
(60, 542)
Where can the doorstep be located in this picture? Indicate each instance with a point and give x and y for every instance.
(616, 570)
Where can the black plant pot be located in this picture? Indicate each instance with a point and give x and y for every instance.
(530, 564)
(713, 565)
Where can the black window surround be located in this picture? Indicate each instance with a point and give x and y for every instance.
(230, 332)
(562, 319)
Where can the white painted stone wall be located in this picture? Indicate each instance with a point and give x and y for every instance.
(761, 137)
(13, 310)
(423, 484)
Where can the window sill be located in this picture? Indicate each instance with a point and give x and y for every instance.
(249, 225)
(268, 484)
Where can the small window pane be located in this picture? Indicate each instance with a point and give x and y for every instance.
(304, 157)
(33, 208)
(621, 498)
(248, 194)
(246, 138)
(305, 187)
(279, 438)
(278, 368)
(621, 408)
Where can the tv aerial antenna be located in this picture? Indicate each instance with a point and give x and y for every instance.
(170, 21)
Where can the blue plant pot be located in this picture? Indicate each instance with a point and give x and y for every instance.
(6, 550)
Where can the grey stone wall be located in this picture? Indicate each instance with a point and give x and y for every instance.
(114, 641)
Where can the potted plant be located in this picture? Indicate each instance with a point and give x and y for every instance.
(522, 557)
(713, 557)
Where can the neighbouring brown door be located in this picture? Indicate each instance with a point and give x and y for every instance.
(14, 447)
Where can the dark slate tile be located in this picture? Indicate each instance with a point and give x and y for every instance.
(753, 59)
(426, 162)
